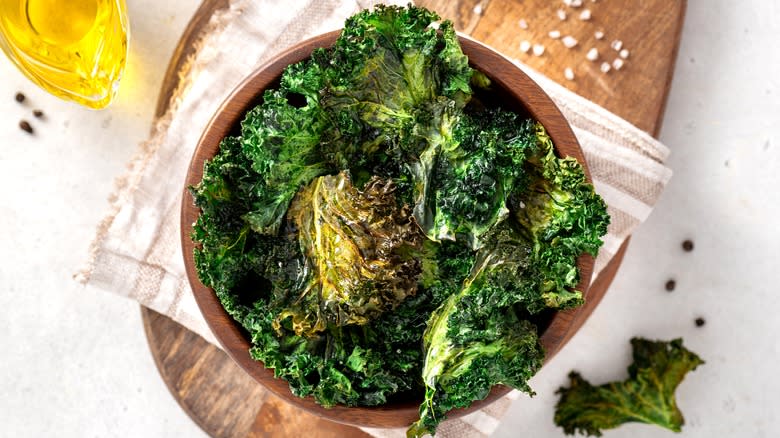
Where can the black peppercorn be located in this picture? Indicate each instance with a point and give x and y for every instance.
(25, 126)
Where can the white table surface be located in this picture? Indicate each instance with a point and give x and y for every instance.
(76, 363)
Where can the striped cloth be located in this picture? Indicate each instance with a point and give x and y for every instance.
(136, 252)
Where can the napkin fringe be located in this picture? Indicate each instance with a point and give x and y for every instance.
(126, 184)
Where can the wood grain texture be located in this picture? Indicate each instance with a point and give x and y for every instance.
(279, 418)
(649, 29)
(649, 89)
(184, 50)
(195, 370)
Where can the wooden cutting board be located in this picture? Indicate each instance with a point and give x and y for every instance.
(225, 401)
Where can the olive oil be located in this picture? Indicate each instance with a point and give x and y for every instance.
(75, 49)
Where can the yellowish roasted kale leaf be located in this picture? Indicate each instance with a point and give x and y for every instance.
(360, 250)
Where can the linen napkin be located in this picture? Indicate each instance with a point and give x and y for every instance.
(136, 251)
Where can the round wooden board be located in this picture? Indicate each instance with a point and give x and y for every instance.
(222, 399)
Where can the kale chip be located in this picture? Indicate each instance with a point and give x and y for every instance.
(647, 396)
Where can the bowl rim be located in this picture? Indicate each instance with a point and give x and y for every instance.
(503, 72)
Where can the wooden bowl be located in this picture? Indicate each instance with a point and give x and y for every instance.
(511, 88)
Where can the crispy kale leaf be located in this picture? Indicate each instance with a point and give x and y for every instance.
(465, 360)
(352, 107)
(502, 276)
(647, 395)
(389, 69)
(475, 339)
(224, 195)
(558, 217)
(399, 50)
(282, 141)
(472, 164)
(561, 214)
(349, 365)
(359, 252)
(276, 153)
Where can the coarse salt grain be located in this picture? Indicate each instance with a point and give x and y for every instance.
(569, 41)
(561, 14)
(575, 3)
(592, 55)
(617, 64)
(478, 9)
(523, 24)
(554, 34)
(567, 2)
(538, 49)
(568, 74)
(605, 67)
(525, 46)
(585, 15)
(617, 45)
(598, 34)
(624, 53)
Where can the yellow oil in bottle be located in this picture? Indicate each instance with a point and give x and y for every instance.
(75, 49)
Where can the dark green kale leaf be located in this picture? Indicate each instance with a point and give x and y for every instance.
(282, 142)
(503, 276)
(475, 340)
(445, 266)
(224, 195)
(563, 217)
(530, 259)
(518, 262)
(473, 162)
(226, 191)
(464, 361)
(312, 366)
(349, 365)
(386, 72)
(647, 396)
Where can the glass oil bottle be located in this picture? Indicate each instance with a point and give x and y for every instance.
(75, 49)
